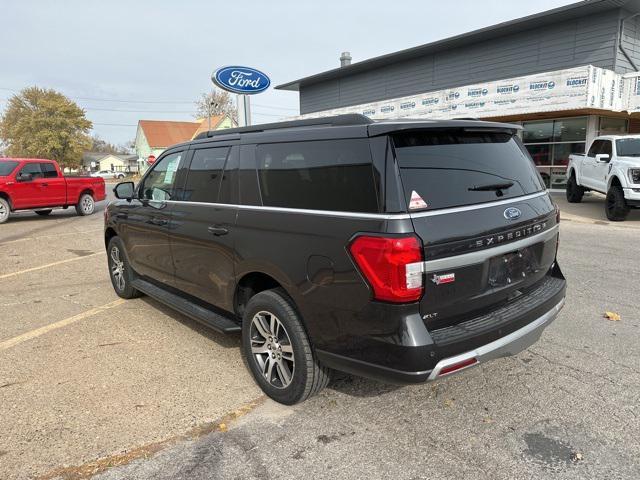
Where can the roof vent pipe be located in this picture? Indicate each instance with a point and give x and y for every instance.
(345, 59)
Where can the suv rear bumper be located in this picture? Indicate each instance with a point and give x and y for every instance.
(443, 357)
(506, 346)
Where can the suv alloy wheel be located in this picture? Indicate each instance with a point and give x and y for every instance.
(278, 351)
(119, 270)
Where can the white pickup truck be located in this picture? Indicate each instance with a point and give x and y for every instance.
(612, 167)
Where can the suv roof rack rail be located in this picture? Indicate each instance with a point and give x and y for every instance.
(337, 120)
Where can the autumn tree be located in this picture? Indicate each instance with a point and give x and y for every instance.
(216, 102)
(99, 145)
(43, 123)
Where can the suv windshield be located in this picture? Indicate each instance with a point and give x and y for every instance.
(628, 147)
(442, 169)
(6, 167)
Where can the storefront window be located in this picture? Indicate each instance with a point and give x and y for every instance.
(550, 142)
(536, 132)
(570, 130)
(541, 154)
(613, 126)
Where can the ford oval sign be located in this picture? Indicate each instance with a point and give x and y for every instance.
(242, 80)
(512, 213)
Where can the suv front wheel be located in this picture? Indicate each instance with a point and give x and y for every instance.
(119, 270)
(278, 351)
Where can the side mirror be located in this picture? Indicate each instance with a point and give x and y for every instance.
(24, 177)
(602, 157)
(124, 190)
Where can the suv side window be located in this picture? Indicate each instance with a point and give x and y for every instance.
(205, 175)
(332, 175)
(229, 187)
(606, 149)
(32, 168)
(159, 183)
(48, 170)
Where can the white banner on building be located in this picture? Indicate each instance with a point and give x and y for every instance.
(571, 89)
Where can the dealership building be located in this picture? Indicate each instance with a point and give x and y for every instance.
(566, 75)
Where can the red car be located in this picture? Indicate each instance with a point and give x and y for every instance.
(35, 184)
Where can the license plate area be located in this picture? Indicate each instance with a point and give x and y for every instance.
(512, 268)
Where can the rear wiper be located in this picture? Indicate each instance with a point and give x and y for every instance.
(497, 187)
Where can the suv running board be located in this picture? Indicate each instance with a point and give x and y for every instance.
(203, 315)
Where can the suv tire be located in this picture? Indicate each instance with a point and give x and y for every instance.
(86, 205)
(5, 210)
(615, 204)
(277, 349)
(120, 270)
(574, 191)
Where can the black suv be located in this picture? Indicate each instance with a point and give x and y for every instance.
(403, 251)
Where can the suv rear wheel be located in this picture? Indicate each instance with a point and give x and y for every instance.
(616, 206)
(120, 271)
(574, 191)
(278, 351)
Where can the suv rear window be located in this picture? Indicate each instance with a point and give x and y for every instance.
(7, 167)
(332, 175)
(455, 168)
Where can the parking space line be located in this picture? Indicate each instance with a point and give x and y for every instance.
(50, 236)
(12, 342)
(60, 262)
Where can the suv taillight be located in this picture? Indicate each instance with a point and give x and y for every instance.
(391, 265)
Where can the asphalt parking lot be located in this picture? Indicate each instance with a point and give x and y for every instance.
(92, 386)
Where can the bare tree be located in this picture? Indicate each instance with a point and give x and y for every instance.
(216, 102)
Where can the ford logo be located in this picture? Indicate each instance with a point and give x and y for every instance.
(242, 80)
(512, 213)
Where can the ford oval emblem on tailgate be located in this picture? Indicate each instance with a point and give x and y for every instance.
(512, 213)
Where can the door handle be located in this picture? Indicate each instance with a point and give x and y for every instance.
(159, 222)
(218, 231)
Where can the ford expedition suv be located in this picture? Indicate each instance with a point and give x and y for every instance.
(612, 167)
(36, 184)
(402, 251)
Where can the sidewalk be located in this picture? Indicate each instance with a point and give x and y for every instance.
(591, 210)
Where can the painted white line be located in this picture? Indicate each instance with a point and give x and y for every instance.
(12, 342)
(53, 235)
(41, 267)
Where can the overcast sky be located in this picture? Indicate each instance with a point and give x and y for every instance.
(149, 59)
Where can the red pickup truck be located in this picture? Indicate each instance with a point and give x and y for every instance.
(35, 184)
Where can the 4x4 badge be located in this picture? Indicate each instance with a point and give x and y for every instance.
(442, 279)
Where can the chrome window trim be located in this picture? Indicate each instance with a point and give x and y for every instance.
(472, 258)
(478, 206)
(331, 213)
(373, 216)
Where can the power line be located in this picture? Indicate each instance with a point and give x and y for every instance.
(165, 102)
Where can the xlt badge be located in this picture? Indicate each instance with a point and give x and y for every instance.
(445, 278)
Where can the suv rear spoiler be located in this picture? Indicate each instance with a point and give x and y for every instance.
(384, 128)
